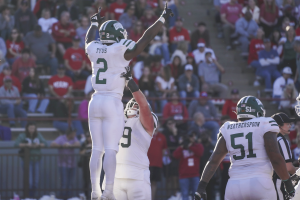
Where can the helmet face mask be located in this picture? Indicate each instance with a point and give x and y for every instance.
(131, 109)
(112, 31)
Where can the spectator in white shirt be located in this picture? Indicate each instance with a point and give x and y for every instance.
(289, 95)
(165, 85)
(253, 9)
(199, 53)
(281, 82)
(46, 21)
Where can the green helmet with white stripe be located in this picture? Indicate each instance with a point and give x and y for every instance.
(112, 31)
(250, 107)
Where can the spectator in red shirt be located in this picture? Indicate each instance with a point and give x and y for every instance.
(175, 109)
(63, 31)
(14, 46)
(75, 61)
(268, 16)
(255, 46)
(136, 33)
(22, 65)
(155, 154)
(177, 34)
(60, 85)
(117, 9)
(230, 13)
(189, 153)
(149, 18)
(7, 72)
(229, 107)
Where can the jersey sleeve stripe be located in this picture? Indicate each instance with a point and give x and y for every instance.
(285, 150)
(272, 121)
(128, 44)
(274, 124)
(125, 42)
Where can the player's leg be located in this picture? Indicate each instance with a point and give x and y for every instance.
(119, 190)
(112, 127)
(95, 125)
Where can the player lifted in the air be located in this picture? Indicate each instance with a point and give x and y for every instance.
(252, 145)
(132, 180)
(109, 57)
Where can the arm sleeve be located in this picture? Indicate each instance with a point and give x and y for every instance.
(196, 86)
(177, 154)
(269, 125)
(181, 83)
(19, 139)
(285, 150)
(42, 139)
(239, 27)
(126, 45)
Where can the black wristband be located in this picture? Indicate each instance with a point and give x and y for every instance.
(288, 185)
(202, 184)
(133, 87)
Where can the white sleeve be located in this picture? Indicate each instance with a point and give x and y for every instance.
(91, 48)
(276, 87)
(269, 125)
(264, 62)
(274, 61)
(88, 85)
(123, 47)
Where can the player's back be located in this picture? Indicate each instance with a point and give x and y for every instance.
(108, 63)
(245, 143)
(132, 159)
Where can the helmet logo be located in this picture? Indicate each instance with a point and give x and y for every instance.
(118, 25)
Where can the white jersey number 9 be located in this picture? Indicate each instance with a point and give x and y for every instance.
(127, 136)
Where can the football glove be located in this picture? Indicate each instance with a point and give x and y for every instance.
(133, 87)
(201, 191)
(96, 19)
(289, 188)
(295, 179)
(167, 12)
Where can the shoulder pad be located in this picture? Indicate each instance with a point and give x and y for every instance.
(129, 44)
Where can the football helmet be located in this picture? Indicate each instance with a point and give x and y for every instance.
(132, 109)
(112, 31)
(297, 107)
(250, 107)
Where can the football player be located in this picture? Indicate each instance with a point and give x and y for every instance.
(132, 179)
(252, 145)
(109, 57)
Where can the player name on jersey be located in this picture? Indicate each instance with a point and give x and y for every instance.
(243, 125)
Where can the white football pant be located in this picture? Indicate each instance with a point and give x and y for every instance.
(106, 122)
(258, 188)
(129, 189)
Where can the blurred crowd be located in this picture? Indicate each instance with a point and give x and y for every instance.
(42, 60)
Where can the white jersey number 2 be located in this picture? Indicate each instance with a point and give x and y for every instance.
(240, 146)
(101, 60)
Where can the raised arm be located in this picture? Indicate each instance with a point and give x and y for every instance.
(213, 163)
(95, 24)
(145, 115)
(149, 34)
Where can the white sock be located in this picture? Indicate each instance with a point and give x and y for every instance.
(95, 171)
(109, 166)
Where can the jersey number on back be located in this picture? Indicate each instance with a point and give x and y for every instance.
(128, 137)
(239, 146)
(101, 70)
